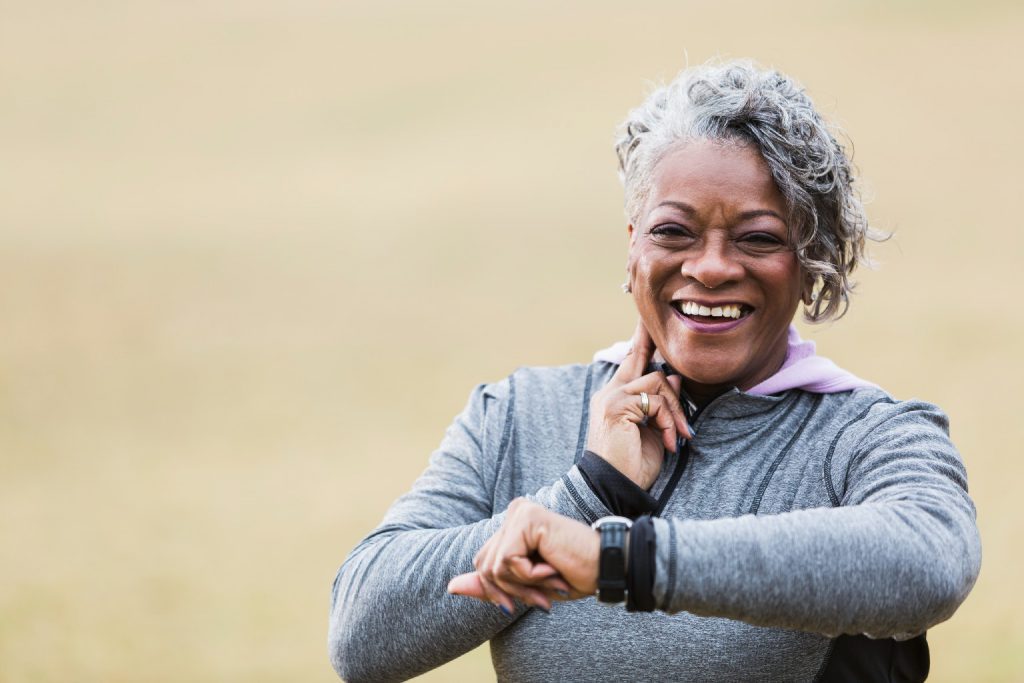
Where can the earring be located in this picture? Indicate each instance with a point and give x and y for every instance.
(626, 289)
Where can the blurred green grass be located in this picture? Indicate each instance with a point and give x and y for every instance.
(238, 241)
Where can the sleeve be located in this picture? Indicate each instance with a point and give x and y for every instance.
(616, 491)
(898, 553)
(391, 616)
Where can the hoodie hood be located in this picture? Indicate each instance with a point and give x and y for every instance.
(803, 369)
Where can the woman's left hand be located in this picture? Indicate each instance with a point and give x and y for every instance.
(536, 556)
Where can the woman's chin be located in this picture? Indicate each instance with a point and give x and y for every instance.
(705, 374)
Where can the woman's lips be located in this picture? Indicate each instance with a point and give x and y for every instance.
(711, 325)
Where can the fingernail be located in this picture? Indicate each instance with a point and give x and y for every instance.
(562, 594)
(693, 430)
(505, 610)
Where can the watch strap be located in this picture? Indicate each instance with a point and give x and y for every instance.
(611, 581)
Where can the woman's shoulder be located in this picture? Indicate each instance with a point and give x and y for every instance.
(871, 409)
(555, 395)
(566, 382)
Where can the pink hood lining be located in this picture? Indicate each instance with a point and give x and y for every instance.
(803, 369)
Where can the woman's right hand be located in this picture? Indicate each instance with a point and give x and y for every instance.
(619, 431)
(536, 556)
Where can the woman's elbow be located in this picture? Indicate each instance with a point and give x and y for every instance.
(343, 659)
(348, 632)
(340, 653)
(349, 653)
(339, 647)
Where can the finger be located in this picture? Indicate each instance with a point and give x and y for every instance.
(542, 575)
(675, 382)
(660, 417)
(511, 574)
(547, 578)
(558, 586)
(484, 558)
(484, 563)
(657, 383)
(540, 570)
(508, 577)
(482, 554)
(564, 596)
(497, 597)
(635, 363)
(529, 595)
(467, 584)
(523, 569)
(473, 585)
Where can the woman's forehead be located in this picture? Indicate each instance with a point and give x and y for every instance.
(692, 177)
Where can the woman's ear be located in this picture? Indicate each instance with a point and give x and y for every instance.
(627, 286)
(809, 296)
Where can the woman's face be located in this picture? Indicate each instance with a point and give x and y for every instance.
(710, 265)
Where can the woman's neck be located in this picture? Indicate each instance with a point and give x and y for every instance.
(703, 394)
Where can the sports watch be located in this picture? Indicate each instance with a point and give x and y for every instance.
(611, 572)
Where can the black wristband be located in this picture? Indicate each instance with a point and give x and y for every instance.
(640, 577)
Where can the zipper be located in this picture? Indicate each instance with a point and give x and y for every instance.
(682, 458)
(682, 445)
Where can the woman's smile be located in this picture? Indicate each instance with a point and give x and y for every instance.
(711, 267)
(711, 317)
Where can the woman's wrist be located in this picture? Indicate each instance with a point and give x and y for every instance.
(614, 489)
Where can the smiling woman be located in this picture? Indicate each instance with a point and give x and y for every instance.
(763, 514)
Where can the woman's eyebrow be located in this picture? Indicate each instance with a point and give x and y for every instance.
(682, 206)
(756, 213)
(745, 215)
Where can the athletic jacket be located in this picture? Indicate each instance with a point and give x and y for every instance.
(790, 520)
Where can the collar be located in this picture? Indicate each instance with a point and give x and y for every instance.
(803, 369)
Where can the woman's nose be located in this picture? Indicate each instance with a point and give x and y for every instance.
(713, 265)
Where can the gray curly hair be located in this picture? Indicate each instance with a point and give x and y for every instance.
(739, 101)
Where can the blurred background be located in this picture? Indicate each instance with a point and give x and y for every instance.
(254, 256)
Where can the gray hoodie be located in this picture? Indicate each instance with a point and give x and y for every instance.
(792, 518)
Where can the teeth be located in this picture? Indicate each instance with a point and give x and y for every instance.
(730, 311)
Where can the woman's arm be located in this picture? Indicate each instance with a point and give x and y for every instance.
(391, 617)
(898, 555)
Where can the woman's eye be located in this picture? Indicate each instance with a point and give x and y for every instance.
(670, 232)
(762, 241)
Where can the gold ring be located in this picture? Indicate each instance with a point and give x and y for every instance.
(645, 403)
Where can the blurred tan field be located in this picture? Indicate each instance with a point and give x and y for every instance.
(254, 256)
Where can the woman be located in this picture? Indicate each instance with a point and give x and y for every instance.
(785, 520)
